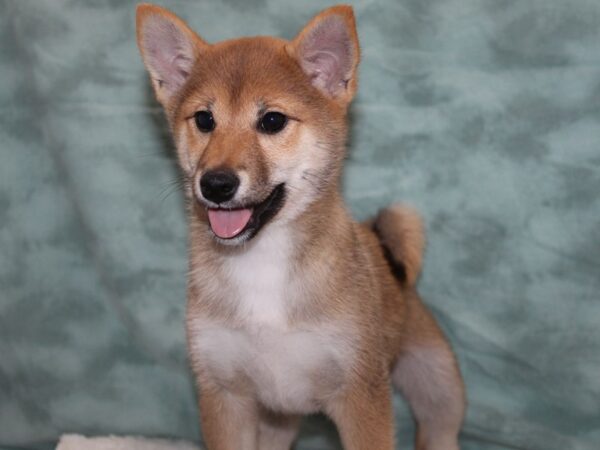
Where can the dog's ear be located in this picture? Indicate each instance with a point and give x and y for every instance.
(327, 50)
(169, 49)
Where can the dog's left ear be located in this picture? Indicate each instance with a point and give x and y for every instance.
(169, 48)
(327, 50)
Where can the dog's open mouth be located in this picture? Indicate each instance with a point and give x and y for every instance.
(231, 223)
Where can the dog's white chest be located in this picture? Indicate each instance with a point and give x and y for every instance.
(287, 369)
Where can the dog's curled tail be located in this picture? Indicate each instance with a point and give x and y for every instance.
(401, 234)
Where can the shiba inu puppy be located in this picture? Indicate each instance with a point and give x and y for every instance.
(293, 308)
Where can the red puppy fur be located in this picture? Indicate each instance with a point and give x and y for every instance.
(293, 308)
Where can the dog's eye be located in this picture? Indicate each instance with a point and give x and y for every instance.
(272, 122)
(205, 121)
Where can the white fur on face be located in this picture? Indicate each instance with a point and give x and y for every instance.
(183, 151)
(303, 171)
(244, 186)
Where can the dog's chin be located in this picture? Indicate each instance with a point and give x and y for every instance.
(239, 239)
(262, 213)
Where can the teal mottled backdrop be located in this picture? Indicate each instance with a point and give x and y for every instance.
(484, 114)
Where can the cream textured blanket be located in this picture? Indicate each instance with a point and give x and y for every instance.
(77, 442)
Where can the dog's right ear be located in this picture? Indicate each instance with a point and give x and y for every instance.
(169, 49)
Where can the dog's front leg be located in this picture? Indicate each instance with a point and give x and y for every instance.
(364, 417)
(228, 421)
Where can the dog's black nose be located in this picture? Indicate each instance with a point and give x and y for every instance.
(219, 185)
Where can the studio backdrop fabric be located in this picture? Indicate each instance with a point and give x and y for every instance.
(483, 114)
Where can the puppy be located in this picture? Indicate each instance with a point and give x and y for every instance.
(293, 308)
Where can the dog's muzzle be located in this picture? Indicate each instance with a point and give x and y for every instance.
(236, 225)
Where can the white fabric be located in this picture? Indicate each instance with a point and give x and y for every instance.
(77, 442)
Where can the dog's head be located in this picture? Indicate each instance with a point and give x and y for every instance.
(259, 123)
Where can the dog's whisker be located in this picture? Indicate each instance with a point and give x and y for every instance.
(170, 187)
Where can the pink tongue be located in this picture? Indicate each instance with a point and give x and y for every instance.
(227, 224)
